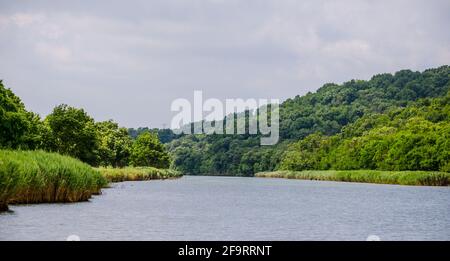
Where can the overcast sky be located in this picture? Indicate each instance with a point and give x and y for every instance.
(128, 60)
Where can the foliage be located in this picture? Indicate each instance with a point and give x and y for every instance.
(164, 135)
(413, 138)
(115, 144)
(148, 151)
(334, 106)
(135, 174)
(395, 122)
(18, 127)
(37, 177)
(327, 112)
(422, 178)
(72, 132)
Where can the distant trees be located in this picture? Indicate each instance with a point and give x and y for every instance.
(334, 106)
(413, 138)
(328, 111)
(392, 121)
(164, 135)
(147, 150)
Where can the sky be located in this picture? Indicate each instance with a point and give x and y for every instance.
(128, 60)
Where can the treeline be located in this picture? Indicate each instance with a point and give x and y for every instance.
(164, 135)
(71, 131)
(413, 138)
(326, 111)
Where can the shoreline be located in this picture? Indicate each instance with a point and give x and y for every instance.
(115, 175)
(5, 207)
(407, 178)
(27, 178)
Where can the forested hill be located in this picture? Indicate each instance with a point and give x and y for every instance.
(334, 106)
(326, 111)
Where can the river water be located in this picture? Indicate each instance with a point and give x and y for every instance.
(234, 208)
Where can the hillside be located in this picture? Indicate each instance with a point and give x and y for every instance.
(326, 111)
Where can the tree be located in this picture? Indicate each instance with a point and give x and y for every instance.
(18, 127)
(411, 138)
(115, 144)
(164, 135)
(72, 132)
(328, 111)
(147, 150)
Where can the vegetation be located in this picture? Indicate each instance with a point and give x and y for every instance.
(18, 127)
(413, 138)
(39, 177)
(71, 131)
(137, 174)
(164, 135)
(148, 151)
(42, 177)
(397, 122)
(421, 145)
(424, 178)
(115, 144)
(348, 126)
(36, 176)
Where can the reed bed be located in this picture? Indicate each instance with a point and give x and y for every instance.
(42, 177)
(413, 178)
(137, 174)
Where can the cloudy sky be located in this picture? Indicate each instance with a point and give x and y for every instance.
(128, 60)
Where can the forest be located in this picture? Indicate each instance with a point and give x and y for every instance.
(391, 122)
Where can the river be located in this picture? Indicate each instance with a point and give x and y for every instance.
(235, 208)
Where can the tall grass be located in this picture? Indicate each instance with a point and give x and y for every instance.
(416, 178)
(40, 177)
(137, 173)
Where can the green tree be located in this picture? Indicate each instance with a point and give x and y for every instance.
(115, 144)
(72, 132)
(147, 150)
(329, 111)
(413, 138)
(18, 127)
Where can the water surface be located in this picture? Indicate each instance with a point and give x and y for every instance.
(231, 208)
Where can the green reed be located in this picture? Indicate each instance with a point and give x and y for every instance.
(42, 177)
(137, 173)
(416, 178)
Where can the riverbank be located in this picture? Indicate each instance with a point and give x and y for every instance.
(137, 174)
(414, 178)
(41, 177)
(28, 177)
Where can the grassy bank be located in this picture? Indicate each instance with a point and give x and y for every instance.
(136, 174)
(42, 177)
(418, 178)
